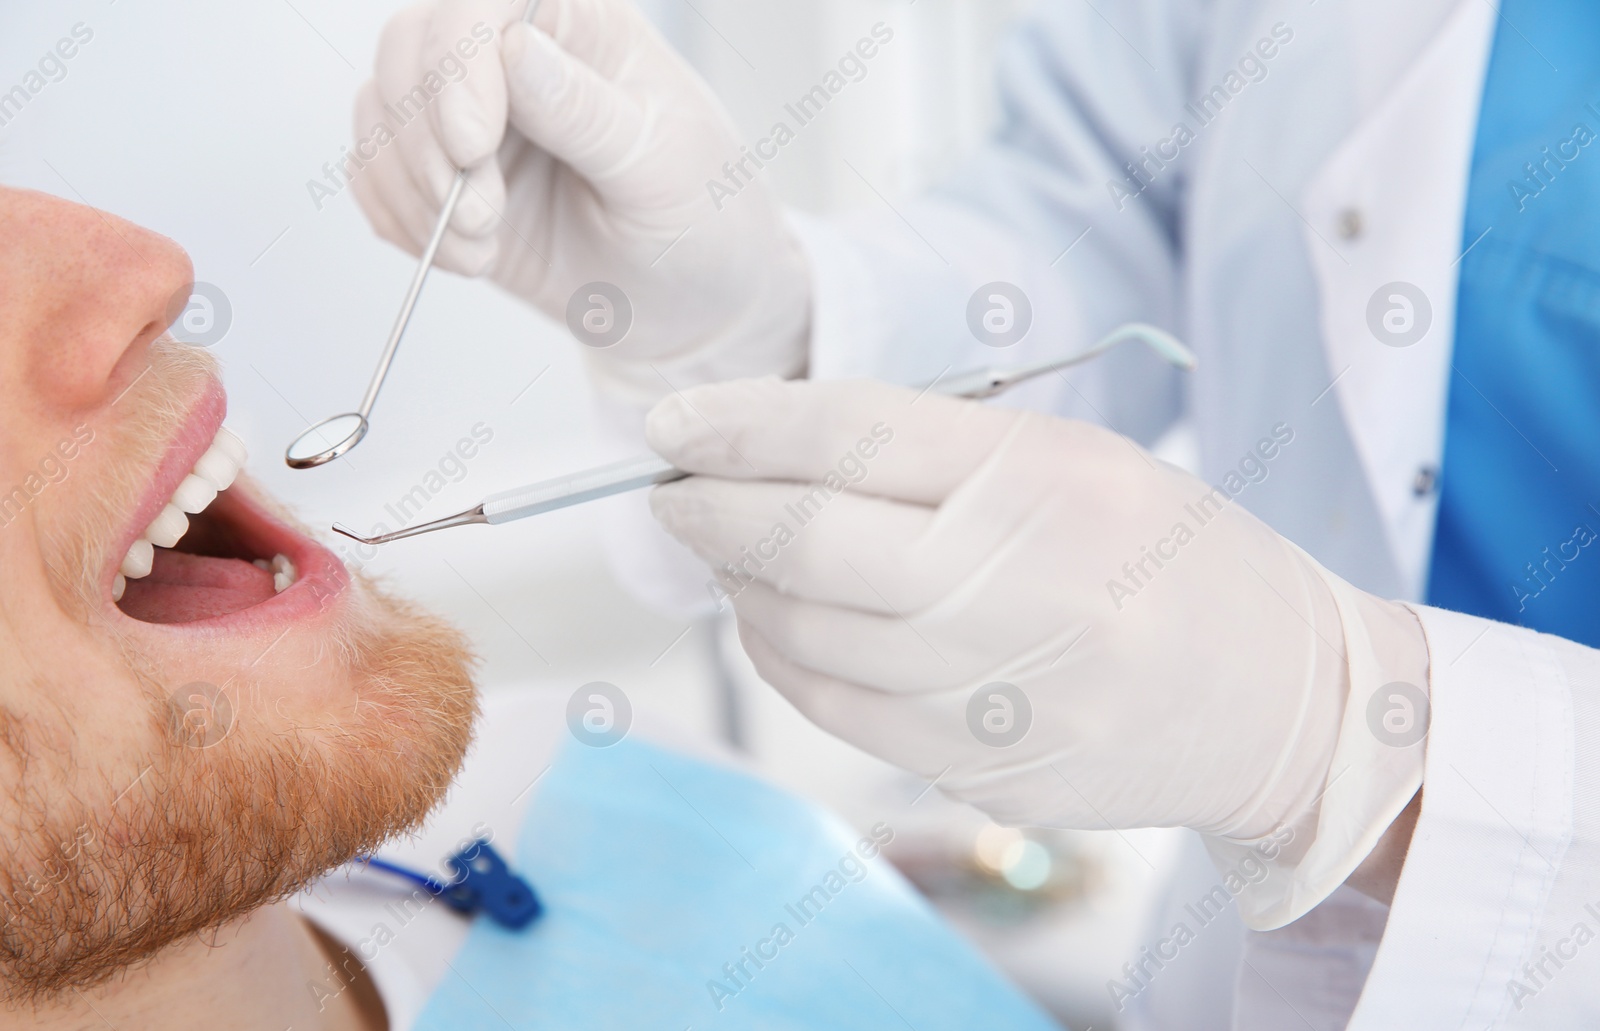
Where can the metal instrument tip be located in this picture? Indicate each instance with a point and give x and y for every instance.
(353, 535)
(471, 515)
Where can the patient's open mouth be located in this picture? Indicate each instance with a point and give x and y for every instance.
(211, 551)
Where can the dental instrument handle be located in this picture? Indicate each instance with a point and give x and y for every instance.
(544, 496)
(603, 481)
(647, 471)
(576, 488)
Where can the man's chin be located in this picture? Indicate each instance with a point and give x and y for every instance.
(231, 812)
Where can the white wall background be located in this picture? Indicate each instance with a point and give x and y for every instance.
(205, 121)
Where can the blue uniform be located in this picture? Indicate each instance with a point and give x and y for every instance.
(1519, 514)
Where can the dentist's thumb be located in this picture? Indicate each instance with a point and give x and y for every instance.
(567, 108)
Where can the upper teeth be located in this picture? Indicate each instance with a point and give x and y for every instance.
(213, 473)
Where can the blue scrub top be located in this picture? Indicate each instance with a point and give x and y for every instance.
(1519, 516)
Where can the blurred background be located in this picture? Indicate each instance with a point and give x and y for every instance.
(208, 121)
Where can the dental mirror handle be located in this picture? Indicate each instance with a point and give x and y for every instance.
(424, 265)
(545, 496)
(650, 470)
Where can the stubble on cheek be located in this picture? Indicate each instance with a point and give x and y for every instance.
(109, 859)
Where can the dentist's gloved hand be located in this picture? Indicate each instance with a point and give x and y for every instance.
(1054, 625)
(590, 146)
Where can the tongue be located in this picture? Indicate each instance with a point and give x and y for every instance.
(183, 588)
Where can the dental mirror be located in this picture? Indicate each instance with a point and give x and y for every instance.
(329, 439)
(334, 437)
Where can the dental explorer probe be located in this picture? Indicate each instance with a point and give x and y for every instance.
(334, 436)
(649, 470)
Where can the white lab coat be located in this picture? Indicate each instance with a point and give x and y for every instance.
(1342, 169)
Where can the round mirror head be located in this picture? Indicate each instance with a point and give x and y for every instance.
(327, 440)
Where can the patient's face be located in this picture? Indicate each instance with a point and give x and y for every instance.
(210, 743)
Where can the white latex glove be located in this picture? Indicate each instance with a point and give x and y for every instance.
(965, 546)
(590, 145)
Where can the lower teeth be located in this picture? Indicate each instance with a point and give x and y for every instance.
(283, 572)
(283, 576)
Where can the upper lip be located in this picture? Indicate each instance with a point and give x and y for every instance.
(183, 451)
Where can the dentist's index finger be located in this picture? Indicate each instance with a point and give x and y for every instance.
(568, 108)
(604, 34)
(908, 445)
(398, 141)
(460, 50)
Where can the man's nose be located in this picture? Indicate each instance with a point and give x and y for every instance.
(83, 294)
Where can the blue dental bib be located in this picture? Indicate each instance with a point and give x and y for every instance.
(683, 895)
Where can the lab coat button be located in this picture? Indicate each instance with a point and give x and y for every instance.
(1351, 224)
(1426, 482)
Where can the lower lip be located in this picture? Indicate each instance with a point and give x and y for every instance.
(321, 579)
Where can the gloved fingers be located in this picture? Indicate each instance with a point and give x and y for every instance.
(399, 211)
(606, 35)
(829, 546)
(964, 741)
(405, 103)
(570, 110)
(918, 446)
(374, 184)
(461, 48)
(888, 652)
(472, 253)
(921, 735)
(398, 126)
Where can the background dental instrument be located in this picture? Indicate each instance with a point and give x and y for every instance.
(648, 470)
(334, 436)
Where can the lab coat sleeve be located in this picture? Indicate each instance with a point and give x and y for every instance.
(1052, 204)
(1496, 918)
